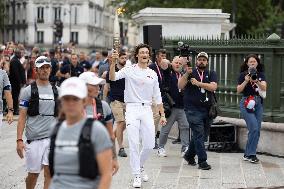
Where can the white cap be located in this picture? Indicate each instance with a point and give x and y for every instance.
(73, 86)
(91, 78)
(202, 54)
(42, 60)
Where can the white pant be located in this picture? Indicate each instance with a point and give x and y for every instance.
(37, 155)
(139, 124)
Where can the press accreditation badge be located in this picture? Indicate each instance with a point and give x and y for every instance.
(202, 90)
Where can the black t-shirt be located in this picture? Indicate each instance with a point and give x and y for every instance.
(193, 95)
(116, 88)
(74, 71)
(250, 88)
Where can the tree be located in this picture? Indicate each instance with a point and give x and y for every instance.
(252, 17)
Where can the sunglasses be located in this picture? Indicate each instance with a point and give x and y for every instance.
(40, 61)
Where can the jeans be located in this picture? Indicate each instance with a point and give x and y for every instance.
(197, 119)
(253, 122)
(179, 116)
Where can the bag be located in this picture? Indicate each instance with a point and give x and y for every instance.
(262, 93)
(168, 104)
(214, 109)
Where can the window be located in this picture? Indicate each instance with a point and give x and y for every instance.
(40, 37)
(40, 14)
(57, 13)
(25, 12)
(74, 37)
(74, 15)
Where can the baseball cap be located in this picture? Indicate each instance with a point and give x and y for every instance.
(202, 54)
(42, 60)
(73, 86)
(91, 78)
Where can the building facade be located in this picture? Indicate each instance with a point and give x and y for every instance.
(88, 23)
(185, 22)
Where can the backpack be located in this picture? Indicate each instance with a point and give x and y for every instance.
(33, 109)
(88, 167)
(100, 110)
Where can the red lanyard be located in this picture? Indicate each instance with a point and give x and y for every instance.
(200, 75)
(177, 75)
(159, 71)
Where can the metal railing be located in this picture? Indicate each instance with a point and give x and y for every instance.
(226, 57)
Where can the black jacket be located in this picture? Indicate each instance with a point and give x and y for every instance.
(17, 73)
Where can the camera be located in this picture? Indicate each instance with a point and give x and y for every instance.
(252, 73)
(185, 51)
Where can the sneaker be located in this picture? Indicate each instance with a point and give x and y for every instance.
(156, 144)
(190, 160)
(246, 158)
(137, 182)
(253, 159)
(144, 175)
(183, 151)
(122, 152)
(204, 166)
(162, 152)
(176, 141)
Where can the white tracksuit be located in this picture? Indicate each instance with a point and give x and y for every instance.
(141, 86)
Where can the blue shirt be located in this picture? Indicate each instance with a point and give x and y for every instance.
(250, 89)
(171, 80)
(85, 64)
(193, 96)
(116, 88)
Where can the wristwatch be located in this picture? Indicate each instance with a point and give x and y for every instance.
(11, 109)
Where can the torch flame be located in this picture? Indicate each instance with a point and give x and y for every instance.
(120, 10)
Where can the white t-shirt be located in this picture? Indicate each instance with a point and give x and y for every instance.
(141, 85)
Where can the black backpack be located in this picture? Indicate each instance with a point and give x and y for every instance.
(33, 109)
(88, 167)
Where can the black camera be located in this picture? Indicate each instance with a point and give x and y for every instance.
(185, 51)
(252, 73)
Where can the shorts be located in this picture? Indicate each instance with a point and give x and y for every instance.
(37, 155)
(118, 110)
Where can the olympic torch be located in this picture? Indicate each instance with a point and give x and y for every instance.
(116, 31)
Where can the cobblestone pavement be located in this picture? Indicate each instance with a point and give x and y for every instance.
(172, 172)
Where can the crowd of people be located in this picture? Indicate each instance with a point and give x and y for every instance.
(72, 108)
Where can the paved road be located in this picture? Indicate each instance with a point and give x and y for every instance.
(228, 170)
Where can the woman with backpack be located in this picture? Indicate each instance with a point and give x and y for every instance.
(80, 152)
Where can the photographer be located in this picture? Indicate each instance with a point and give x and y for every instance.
(252, 85)
(198, 85)
(174, 99)
(159, 66)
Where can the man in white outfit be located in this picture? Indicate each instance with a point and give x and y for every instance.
(141, 86)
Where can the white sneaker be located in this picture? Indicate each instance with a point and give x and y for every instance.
(162, 152)
(137, 182)
(184, 151)
(144, 175)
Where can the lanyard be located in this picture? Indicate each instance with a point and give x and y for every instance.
(200, 75)
(159, 72)
(178, 75)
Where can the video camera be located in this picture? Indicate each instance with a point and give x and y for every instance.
(185, 51)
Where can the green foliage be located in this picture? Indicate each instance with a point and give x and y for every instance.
(252, 16)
